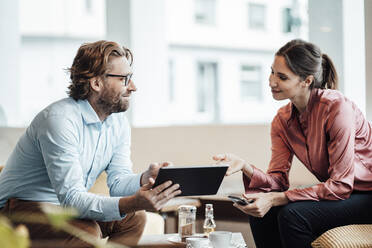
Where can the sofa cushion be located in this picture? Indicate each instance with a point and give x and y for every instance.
(154, 224)
(350, 236)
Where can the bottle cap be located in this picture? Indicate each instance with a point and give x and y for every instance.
(187, 208)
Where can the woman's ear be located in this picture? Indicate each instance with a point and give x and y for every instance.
(308, 80)
(96, 84)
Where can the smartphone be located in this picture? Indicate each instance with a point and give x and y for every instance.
(240, 200)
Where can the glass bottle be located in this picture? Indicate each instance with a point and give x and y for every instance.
(186, 220)
(209, 223)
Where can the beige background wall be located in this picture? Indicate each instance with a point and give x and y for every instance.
(197, 144)
(192, 145)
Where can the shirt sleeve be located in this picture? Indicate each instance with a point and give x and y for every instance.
(340, 128)
(58, 140)
(276, 178)
(120, 178)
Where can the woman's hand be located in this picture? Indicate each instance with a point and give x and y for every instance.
(262, 203)
(235, 164)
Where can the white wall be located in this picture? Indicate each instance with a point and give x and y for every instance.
(337, 27)
(150, 62)
(231, 28)
(368, 55)
(43, 78)
(354, 52)
(51, 31)
(68, 18)
(325, 30)
(9, 62)
(118, 23)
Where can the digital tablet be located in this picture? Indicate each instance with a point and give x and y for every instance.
(193, 180)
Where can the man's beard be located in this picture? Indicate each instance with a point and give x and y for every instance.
(112, 103)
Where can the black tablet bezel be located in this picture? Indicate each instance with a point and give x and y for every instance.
(193, 180)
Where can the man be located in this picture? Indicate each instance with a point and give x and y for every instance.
(72, 141)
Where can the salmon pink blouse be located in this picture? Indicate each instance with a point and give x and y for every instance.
(331, 138)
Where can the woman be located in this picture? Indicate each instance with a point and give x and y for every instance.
(329, 135)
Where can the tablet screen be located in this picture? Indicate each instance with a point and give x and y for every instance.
(193, 180)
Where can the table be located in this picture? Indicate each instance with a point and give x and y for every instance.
(226, 216)
(164, 241)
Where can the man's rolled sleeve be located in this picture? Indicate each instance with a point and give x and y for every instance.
(124, 185)
(111, 209)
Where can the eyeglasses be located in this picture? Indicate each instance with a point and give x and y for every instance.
(126, 78)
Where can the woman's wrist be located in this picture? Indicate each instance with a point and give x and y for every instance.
(247, 170)
(278, 199)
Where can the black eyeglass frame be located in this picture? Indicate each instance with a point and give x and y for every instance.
(127, 77)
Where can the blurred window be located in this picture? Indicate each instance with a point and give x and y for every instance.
(88, 6)
(207, 89)
(3, 121)
(257, 16)
(250, 83)
(205, 12)
(287, 20)
(171, 89)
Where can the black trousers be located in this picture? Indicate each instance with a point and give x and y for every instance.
(297, 224)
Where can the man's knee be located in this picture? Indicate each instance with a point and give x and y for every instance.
(133, 223)
(140, 220)
(89, 226)
(129, 230)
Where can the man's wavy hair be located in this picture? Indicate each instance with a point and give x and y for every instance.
(93, 60)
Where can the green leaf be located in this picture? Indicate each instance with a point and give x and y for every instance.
(13, 238)
(59, 216)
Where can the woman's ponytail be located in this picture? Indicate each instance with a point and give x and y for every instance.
(330, 78)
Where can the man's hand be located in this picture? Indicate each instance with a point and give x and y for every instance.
(152, 172)
(262, 203)
(235, 164)
(154, 199)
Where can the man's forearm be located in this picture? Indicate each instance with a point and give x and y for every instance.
(127, 204)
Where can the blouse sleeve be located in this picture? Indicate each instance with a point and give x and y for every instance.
(340, 129)
(276, 178)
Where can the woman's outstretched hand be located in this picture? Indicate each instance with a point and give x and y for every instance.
(235, 164)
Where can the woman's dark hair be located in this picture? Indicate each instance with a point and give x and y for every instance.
(305, 59)
(92, 60)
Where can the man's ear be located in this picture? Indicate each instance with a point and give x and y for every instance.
(96, 84)
(308, 80)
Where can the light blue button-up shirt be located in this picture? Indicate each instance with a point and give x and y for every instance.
(62, 153)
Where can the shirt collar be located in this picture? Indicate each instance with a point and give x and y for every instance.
(294, 112)
(109, 120)
(89, 115)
